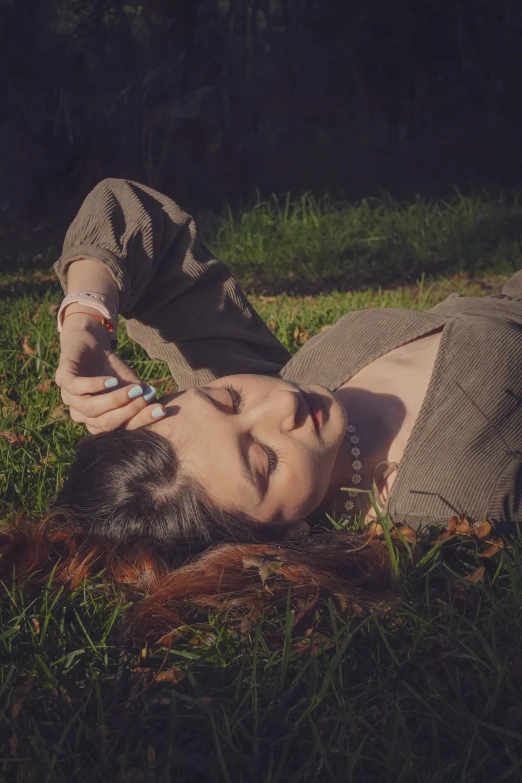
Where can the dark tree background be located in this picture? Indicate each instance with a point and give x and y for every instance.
(211, 99)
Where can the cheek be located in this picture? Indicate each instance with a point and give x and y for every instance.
(306, 483)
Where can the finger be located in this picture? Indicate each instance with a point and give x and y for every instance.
(77, 385)
(79, 418)
(148, 415)
(114, 419)
(93, 406)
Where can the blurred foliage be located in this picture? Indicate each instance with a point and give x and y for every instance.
(209, 99)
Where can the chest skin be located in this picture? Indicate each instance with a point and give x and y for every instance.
(383, 400)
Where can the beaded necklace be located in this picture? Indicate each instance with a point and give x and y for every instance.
(355, 478)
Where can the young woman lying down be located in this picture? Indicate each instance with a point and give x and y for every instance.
(177, 496)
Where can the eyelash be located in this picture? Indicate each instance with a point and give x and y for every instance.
(238, 397)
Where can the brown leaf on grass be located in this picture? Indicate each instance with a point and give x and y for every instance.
(452, 525)
(45, 386)
(326, 327)
(9, 400)
(403, 531)
(36, 625)
(375, 529)
(14, 440)
(207, 635)
(490, 551)
(53, 308)
(443, 537)
(301, 336)
(314, 644)
(174, 675)
(462, 525)
(476, 576)
(481, 529)
(12, 410)
(26, 348)
(167, 640)
(59, 413)
(268, 299)
(272, 325)
(268, 565)
(23, 692)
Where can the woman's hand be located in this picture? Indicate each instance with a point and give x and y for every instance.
(101, 391)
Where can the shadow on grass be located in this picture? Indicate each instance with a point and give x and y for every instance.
(317, 247)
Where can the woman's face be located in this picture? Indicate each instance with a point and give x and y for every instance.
(258, 445)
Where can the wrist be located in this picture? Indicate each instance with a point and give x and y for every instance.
(84, 319)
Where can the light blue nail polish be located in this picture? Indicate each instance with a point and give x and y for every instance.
(149, 393)
(110, 383)
(157, 413)
(136, 391)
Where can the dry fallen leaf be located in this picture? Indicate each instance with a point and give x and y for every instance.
(462, 525)
(59, 413)
(14, 440)
(268, 565)
(301, 336)
(326, 327)
(45, 386)
(490, 551)
(207, 635)
(443, 537)
(26, 348)
(375, 529)
(477, 575)
(52, 309)
(172, 675)
(268, 299)
(481, 529)
(36, 625)
(404, 532)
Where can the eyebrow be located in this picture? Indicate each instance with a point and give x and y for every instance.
(245, 462)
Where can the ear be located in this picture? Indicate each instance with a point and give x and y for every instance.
(298, 531)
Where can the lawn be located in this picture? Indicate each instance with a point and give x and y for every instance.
(430, 690)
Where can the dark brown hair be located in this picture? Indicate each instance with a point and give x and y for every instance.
(127, 510)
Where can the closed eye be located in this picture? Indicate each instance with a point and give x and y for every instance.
(237, 397)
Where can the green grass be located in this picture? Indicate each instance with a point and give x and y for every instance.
(430, 692)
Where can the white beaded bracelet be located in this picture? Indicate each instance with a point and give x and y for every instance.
(94, 299)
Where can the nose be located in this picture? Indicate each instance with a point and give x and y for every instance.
(278, 410)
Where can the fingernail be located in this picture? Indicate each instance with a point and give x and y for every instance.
(136, 391)
(110, 383)
(149, 393)
(157, 413)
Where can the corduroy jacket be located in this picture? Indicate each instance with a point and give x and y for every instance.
(464, 454)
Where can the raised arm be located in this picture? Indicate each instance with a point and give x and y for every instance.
(182, 304)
